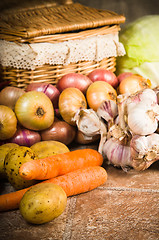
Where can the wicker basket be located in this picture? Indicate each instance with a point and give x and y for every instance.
(54, 24)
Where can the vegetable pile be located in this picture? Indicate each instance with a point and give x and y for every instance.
(37, 125)
(116, 111)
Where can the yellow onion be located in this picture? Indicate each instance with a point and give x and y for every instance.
(70, 101)
(133, 84)
(99, 92)
(8, 122)
(34, 110)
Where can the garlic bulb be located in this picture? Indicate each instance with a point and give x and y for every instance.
(127, 103)
(132, 139)
(147, 96)
(117, 153)
(108, 110)
(143, 119)
(89, 124)
(144, 151)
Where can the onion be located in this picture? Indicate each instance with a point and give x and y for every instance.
(82, 139)
(51, 91)
(76, 80)
(70, 101)
(99, 92)
(104, 75)
(25, 137)
(34, 110)
(123, 75)
(8, 122)
(59, 131)
(133, 84)
(9, 96)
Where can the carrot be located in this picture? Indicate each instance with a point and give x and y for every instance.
(73, 183)
(60, 164)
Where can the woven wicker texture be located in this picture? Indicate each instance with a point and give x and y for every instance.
(51, 74)
(55, 23)
(45, 20)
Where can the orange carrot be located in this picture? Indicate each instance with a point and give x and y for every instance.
(60, 164)
(73, 183)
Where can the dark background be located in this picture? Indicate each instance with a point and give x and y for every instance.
(132, 9)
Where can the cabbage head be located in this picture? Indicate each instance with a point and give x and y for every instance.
(141, 42)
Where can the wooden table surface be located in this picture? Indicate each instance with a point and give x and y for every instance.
(126, 207)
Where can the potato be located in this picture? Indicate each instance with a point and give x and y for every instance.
(4, 149)
(13, 161)
(42, 203)
(48, 148)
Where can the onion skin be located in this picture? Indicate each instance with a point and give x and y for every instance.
(25, 137)
(9, 96)
(8, 122)
(51, 91)
(59, 131)
(70, 101)
(76, 80)
(104, 75)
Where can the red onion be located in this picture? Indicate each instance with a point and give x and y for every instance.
(51, 91)
(104, 75)
(9, 96)
(76, 80)
(25, 137)
(123, 75)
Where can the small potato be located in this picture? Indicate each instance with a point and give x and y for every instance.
(13, 161)
(4, 149)
(42, 203)
(48, 148)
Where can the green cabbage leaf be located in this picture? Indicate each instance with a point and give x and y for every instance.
(141, 42)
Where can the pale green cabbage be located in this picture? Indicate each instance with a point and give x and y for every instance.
(141, 42)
